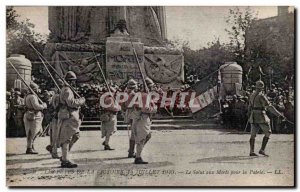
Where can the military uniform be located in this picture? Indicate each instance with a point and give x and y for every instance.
(8, 112)
(68, 120)
(141, 125)
(18, 113)
(258, 104)
(130, 114)
(109, 124)
(53, 128)
(240, 112)
(33, 118)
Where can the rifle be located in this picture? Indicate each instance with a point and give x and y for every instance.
(40, 55)
(49, 73)
(31, 90)
(102, 73)
(137, 60)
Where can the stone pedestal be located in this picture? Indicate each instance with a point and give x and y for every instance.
(121, 64)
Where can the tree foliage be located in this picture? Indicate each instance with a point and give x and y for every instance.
(16, 32)
(239, 22)
(203, 61)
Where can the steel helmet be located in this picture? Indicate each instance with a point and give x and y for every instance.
(34, 86)
(132, 84)
(149, 81)
(259, 84)
(70, 75)
(60, 82)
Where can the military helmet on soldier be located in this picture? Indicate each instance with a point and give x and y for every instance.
(70, 75)
(17, 93)
(259, 84)
(149, 81)
(60, 82)
(34, 86)
(132, 84)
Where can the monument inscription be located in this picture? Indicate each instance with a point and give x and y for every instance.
(121, 63)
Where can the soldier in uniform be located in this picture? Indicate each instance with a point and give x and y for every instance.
(18, 112)
(129, 114)
(141, 125)
(33, 118)
(8, 112)
(258, 104)
(68, 121)
(240, 112)
(54, 106)
(109, 118)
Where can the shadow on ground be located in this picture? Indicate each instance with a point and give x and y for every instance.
(16, 161)
(225, 159)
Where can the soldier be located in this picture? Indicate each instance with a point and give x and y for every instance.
(109, 118)
(141, 126)
(54, 106)
(8, 112)
(68, 119)
(258, 104)
(272, 94)
(129, 114)
(18, 112)
(33, 118)
(240, 112)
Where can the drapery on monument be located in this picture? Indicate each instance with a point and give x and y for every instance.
(93, 24)
(76, 32)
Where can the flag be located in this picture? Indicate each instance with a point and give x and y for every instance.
(205, 99)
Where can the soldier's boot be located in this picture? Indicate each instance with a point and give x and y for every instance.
(131, 149)
(68, 164)
(107, 147)
(49, 148)
(252, 144)
(263, 146)
(31, 151)
(34, 149)
(139, 149)
(139, 160)
(65, 163)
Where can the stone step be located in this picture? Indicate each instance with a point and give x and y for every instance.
(165, 126)
(154, 118)
(158, 123)
(155, 121)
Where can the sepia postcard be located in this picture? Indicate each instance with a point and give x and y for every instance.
(150, 96)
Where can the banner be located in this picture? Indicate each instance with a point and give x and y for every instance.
(204, 99)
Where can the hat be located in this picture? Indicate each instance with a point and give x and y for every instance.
(70, 75)
(34, 86)
(60, 82)
(17, 93)
(132, 84)
(259, 84)
(8, 93)
(149, 81)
